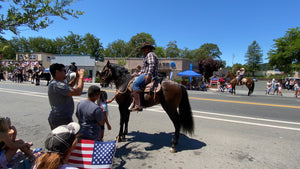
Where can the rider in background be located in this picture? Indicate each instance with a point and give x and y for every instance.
(149, 71)
(241, 75)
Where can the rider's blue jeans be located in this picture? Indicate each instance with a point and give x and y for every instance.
(139, 82)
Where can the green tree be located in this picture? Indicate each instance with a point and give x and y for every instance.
(172, 50)
(59, 45)
(188, 54)
(160, 52)
(6, 50)
(92, 46)
(34, 14)
(285, 54)
(236, 67)
(136, 43)
(208, 50)
(20, 44)
(122, 61)
(117, 48)
(73, 44)
(253, 57)
(40, 44)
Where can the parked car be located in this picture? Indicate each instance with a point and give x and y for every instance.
(255, 79)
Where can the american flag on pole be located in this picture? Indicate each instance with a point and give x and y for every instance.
(93, 154)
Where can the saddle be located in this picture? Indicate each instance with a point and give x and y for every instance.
(153, 87)
(243, 81)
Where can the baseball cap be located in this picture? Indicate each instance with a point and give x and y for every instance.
(62, 137)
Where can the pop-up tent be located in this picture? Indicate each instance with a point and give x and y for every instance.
(189, 73)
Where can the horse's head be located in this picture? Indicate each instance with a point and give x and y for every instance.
(105, 75)
(230, 75)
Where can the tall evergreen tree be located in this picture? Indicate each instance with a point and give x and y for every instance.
(253, 57)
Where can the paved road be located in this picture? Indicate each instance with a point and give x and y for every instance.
(230, 131)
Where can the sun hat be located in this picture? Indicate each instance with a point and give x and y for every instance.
(147, 45)
(62, 137)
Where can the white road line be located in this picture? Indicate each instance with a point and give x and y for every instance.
(245, 117)
(249, 123)
(159, 109)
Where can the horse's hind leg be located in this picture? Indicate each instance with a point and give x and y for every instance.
(174, 116)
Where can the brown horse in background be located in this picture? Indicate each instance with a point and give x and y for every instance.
(173, 98)
(245, 81)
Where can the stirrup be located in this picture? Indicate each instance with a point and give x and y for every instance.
(137, 109)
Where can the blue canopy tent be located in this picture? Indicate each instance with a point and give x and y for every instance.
(47, 70)
(189, 73)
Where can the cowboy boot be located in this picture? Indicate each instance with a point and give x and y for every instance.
(131, 106)
(137, 100)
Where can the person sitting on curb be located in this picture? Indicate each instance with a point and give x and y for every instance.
(8, 146)
(59, 143)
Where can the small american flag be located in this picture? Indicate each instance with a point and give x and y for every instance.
(93, 154)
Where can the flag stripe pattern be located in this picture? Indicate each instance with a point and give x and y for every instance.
(89, 154)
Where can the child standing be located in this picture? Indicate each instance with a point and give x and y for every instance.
(269, 85)
(102, 102)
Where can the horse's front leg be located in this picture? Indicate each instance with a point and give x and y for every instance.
(122, 120)
(126, 123)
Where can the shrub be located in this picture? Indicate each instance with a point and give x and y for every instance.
(97, 80)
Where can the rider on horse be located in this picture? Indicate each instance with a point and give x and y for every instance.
(149, 71)
(241, 75)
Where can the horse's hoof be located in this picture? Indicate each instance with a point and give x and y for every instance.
(123, 137)
(118, 138)
(173, 150)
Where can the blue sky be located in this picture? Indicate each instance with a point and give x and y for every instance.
(232, 24)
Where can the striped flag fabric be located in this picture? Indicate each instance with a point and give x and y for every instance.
(93, 154)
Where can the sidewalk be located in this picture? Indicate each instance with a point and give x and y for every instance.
(244, 90)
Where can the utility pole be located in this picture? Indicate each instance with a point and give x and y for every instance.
(232, 61)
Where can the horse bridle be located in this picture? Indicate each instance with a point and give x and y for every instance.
(108, 74)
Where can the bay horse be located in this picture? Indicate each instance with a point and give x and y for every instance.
(245, 81)
(171, 96)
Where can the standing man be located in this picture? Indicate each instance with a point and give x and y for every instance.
(149, 71)
(60, 95)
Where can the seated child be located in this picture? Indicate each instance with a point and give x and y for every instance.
(9, 147)
(280, 90)
(229, 87)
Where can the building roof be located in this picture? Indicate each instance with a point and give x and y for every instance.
(80, 60)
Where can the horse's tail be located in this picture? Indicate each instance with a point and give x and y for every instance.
(185, 113)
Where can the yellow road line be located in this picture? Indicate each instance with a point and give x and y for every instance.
(215, 100)
(251, 103)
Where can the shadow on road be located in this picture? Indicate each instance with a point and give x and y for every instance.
(130, 150)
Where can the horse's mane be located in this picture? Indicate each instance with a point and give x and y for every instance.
(121, 76)
(119, 70)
